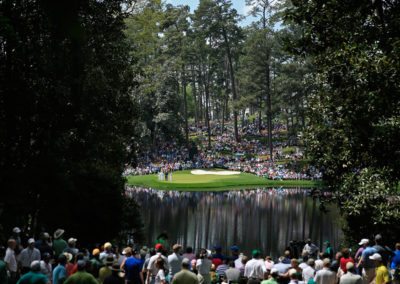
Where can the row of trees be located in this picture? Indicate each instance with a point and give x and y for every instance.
(203, 66)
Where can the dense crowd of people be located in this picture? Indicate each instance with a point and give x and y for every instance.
(60, 261)
(248, 155)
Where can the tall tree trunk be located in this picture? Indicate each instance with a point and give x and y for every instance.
(194, 92)
(185, 106)
(232, 77)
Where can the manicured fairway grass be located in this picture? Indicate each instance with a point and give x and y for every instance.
(185, 181)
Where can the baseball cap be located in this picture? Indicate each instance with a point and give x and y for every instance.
(16, 230)
(235, 248)
(186, 261)
(176, 246)
(363, 242)
(72, 240)
(158, 246)
(326, 261)
(107, 245)
(255, 252)
(31, 241)
(96, 251)
(378, 237)
(376, 256)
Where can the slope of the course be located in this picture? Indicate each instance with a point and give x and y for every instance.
(185, 181)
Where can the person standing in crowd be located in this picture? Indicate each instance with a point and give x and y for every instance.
(357, 258)
(60, 272)
(3, 266)
(269, 263)
(282, 267)
(45, 265)
(189, 254)
(309, 271)
(346, 258)
(115, 277)
(106, 252)
(232, 273)
(151, 267)
(255, 268)
(368, 265)
(203, 266)
(185, 276)
(325, 275)
(81, 276)
(395, 265)
(174, 261)
(145, 271)
(34, 276)
(95, 263)
(11, 261)
(132, 265)
(328, 250)
(311, 249)
(16, 235)
(381, 271)
(160, 276)
(44, 244)
(59, 244)
(71, 247)
(350, 277)
(105, 271)
(272, 278)
(385, 252)
(28, 255)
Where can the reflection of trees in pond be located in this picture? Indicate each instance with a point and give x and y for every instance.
(265, 218)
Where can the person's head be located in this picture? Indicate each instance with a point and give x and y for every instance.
(293, 274)
(350, 267)
(294, 263)
(287, 253)
(338, 256)
(232, 264)
(35, 266)
(256, 253)
(81, 265)
(58, 233)
(218, 249)
(159, 248)
(185, 263)
(189, 250)
(46, 257)
(31, 243)
(268, 258)
(107, 247)
(377, 258)
(305, 258)
(311, 262)
(80, 256)
(397, 246)
(68, 256)
(274, 273)
(152, 252)
(11, 243)
(235, 250)
(327, 262)
(176, 248)
(72, 242)
(62, 259)
(364, 242)
(160, 263)
(378, 239)
(345, 252)
(127, 252)
(45, 236)
(308, 241)
(245, 259)
(96, 253)
(16, 231)
(203, 253)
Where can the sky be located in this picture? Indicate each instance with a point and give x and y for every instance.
(239, 5)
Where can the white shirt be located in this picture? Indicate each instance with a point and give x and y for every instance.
(325, 276)
(308, 273)
(10, 259)
(311, 249)
(203, 266)
(175, 262)
(152, 263)
(255, 268)
(28, 255)
(303, 265)
(238, 263)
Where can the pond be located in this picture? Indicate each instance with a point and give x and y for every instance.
(267, 219)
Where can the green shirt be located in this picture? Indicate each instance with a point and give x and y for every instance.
(185, 277)
(59, 246)
(104, 272)
(81, 277)
(33, 278)
(3, 272)
(270, 281)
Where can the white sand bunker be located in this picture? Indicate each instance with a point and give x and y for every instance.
(218, 173)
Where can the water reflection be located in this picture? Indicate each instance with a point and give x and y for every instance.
(264, 218)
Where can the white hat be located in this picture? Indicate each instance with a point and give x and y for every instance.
(363, 242)
(72, 240)
(274, 271)
(35, 265)
(16, 230)
(31, 241)
(376, 256)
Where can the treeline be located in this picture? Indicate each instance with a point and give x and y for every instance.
(202, 66)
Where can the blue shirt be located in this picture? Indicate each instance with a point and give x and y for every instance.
(367, 252)
(59, 273)
(133, 267)
(395, 260)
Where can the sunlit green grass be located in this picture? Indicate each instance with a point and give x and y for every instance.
(185, 181)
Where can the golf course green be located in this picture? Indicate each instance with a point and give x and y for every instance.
(186, 181)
